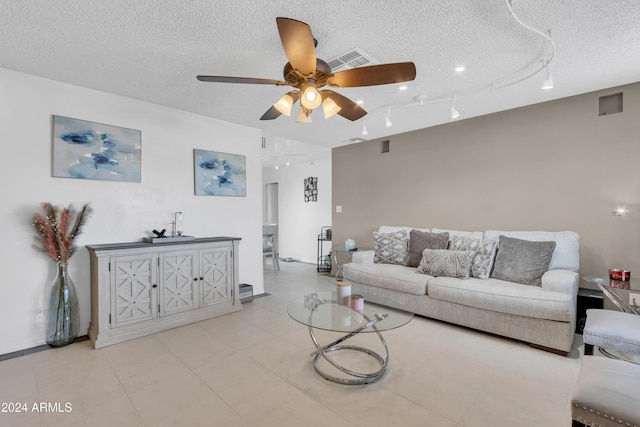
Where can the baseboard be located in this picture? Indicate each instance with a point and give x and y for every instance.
(549, 349)
(36, 349)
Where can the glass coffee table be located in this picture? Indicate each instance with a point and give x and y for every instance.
(320, 311)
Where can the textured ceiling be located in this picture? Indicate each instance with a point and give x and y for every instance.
(152, 50)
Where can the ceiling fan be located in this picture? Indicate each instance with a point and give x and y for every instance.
(306, 74)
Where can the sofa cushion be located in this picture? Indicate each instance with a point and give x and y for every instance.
(391, 248)
(566, 256)
(522, 261)
(388, 276)
(452, 233)
(504, 297)
(421, 240)
(443, 262)
(393, 229)
(484, 253)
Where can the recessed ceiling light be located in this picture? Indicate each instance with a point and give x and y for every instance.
(460, 69)
(403, 87)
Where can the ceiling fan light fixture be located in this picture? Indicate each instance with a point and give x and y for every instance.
(284, 104)
(330, 107)
(310, 98)
(303, 115)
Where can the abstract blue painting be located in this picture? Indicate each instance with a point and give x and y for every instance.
(219, 174)
(89, 150)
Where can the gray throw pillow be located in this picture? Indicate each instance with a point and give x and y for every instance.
(421, 240)
(484, 253)
(443, 262)
(390, 248)
(522, 261)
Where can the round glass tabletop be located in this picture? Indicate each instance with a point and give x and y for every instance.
(320, 310)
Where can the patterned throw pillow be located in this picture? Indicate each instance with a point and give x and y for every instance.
(484, 253)
(391, 248)
(448, 263)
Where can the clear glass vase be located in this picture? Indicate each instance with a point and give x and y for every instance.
(63, 316)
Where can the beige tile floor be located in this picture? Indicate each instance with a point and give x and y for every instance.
(252, 368)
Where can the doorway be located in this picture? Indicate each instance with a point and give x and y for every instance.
(270, 205)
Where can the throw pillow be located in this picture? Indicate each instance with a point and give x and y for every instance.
(483, 257)
(522, 261)
(443, 262)
(421, 240)
(390, 248)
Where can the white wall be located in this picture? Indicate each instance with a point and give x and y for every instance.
(300, 222)
(122, 211)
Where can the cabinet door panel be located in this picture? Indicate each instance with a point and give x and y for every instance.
(132, 289)
(179, 289)
(217, 272)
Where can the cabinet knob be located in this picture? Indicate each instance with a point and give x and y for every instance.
(195, 279)
(202, 278)
(154, 286)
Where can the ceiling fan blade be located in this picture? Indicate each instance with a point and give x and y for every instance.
(374, 75)
(298, 44)
(348, 109)
(246, 80)
(271, 113)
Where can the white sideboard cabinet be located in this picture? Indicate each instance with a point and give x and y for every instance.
(142, 288)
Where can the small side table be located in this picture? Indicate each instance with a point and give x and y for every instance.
(616, 290)
(346, 259)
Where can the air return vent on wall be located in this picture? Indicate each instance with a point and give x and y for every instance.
(353, 58)
(610, 104)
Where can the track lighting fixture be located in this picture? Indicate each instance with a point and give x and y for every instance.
(537, 65)
(548, 82)
(454, 113)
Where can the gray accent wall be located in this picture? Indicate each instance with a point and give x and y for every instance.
(552, 166)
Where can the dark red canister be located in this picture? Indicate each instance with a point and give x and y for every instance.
(619, 274)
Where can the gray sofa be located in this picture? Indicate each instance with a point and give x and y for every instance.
(544, 316)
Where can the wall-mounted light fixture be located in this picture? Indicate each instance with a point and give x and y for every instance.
(621, 211)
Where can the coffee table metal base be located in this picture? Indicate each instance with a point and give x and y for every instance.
(355, 378)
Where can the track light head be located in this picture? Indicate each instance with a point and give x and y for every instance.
(454, 113)
(387, 121)
(548, 82)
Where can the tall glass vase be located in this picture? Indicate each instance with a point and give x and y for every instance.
(63, 316)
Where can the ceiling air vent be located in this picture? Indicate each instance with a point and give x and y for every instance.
(354, 140)
(353, 58)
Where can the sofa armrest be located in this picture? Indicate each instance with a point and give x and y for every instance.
(564, 281)
(363, 257)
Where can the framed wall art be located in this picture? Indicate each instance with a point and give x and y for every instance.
(90, 150)
(219, 174)
(311, 189)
